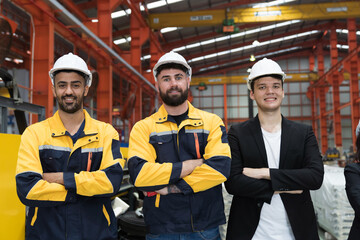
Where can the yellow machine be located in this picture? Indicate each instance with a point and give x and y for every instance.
(12, 211)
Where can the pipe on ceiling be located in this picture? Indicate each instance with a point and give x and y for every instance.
(109, 50)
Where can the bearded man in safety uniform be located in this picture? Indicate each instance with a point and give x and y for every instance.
(179, 156)
(70, 164)
(275, 162)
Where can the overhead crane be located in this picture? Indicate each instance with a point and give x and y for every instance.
(318, 11)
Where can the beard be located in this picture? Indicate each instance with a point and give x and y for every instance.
(70, 108)
(174, 101)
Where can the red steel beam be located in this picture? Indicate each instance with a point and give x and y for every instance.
(335, 82)
(73, 8)
(322, 102)
(354, 80)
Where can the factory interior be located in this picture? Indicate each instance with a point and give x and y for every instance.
(316, 43)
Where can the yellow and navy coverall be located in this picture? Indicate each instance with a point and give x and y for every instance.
(92, 167)
(157, 148)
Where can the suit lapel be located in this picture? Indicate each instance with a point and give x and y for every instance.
(285, 140)
(257, 134)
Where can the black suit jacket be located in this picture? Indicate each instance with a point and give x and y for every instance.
(300, 168)
(352, 177)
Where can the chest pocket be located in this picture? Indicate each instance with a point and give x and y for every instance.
(196, 140)
(165, 147)
(53, 160)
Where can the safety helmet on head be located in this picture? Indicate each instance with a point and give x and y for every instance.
(264, 67)
(71, 62)
(172, 57)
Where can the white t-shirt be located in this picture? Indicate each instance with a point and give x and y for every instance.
(274, 223)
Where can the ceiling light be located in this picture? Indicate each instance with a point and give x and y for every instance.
(168, 29)
(234, 50)
(121, 13)
(252, 58)
(95, 20)
(145, 57)
(256, 43)
(161, 3)
(248, 70)
(241, 34)
(122, 40)
(273, 3)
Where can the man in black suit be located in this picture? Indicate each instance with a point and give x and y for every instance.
(275, 162)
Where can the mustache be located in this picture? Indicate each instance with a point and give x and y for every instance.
(66, 96)
(174, 88)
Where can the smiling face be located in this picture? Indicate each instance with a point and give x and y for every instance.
(173, 86)
(268, 94)
(69, 89)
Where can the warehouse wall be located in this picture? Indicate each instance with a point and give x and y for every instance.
(296, 105)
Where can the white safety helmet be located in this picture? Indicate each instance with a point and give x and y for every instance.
(71, 62)
(172, 57)
(262, 68)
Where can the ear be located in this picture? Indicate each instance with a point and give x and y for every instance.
(157, 86)
(86, 90)
(252, 95)
(189, 81)
(53, 90)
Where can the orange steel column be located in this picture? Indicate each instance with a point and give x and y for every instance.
(43, 61)
(225, 106)
(104, 91)
(312, 97)
(335, 85)
(139, 34)
(322, 101)
(354, 82)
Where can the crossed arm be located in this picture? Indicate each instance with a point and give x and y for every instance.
(188, 167)
(264, 173)
(55, 177)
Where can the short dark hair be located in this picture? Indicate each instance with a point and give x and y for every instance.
(277, 76)
(172, 65)
(86, 78)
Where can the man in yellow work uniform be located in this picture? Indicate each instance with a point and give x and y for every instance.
(179, 156)
(70, 164)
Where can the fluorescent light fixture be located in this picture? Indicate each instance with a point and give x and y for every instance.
(345, 31)
(95, 20)
(245, 60)
(239, 49)
(161, 3)
(273, 3)
(211, 55)
(240, 34)
(168, 29)
(122, 40)
(256, 43)
(121, 13)
(18, 61)
(145, 57)
(193, 45)
(339, 46)
(179, 49)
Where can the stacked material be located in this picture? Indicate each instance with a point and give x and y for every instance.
(333, 210)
